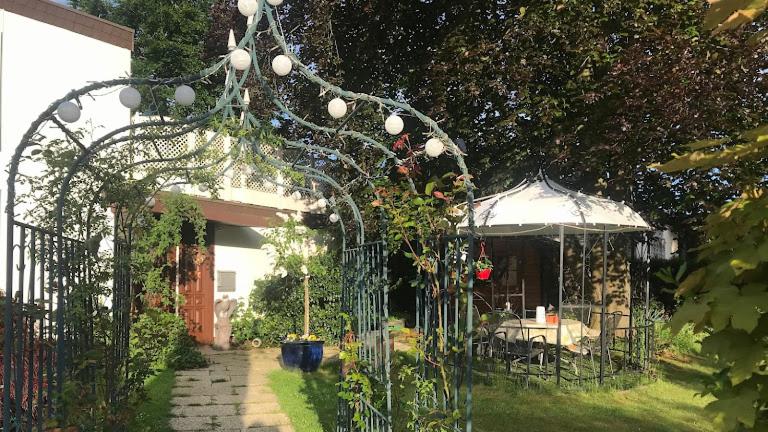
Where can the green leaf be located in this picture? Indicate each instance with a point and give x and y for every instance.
(429, 188)
(736, 408)
(691, 282)
(690, 311)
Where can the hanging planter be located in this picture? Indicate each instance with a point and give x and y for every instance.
(483, 266)
(484, 273)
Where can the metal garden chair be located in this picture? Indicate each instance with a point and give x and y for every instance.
(519, 346)
(588, 345)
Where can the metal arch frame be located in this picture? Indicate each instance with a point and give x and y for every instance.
(224, 106)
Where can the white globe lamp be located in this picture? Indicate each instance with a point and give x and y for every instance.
(203, 188)
(240, 59)
(394, 124)
(248, 7)
(296, 195)
(68, 111)
(333, 218)
(130, 98)
(434, 147)
(275, 2)
(185, 95)
(322, 203)
(337, 108)
(282, 65)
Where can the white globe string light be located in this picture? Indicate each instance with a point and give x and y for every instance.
(296, 195)
(130, 98)
(282, 65)
(337, 108)
(434, 147)
(322, 203)
(248, 7)
(68, 111)
(185, 95)
(275, 2)
(203, 188)
(394, 124)
(240, 59)
(333, 218)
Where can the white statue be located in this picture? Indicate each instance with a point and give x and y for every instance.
(224, 308)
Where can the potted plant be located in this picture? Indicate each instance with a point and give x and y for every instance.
(551, 315)
(305, 352)
(302, 352)
(483, 268)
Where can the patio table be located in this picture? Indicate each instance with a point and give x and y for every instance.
(572, 330)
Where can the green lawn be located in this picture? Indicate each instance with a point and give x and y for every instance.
(154, 412)
(308, 399)
(667, 404)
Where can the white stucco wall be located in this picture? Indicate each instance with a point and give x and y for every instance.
(240, 249)
(40, 63)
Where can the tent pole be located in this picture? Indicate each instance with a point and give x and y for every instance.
(560, 304)
(603, 342)
(582, 313)
(649, 327)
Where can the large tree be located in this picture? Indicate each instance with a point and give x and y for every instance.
(590, 91)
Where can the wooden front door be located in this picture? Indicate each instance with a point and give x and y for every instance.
(195, 281)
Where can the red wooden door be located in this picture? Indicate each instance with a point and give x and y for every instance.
(196, 289)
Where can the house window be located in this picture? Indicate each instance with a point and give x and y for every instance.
(226, 281)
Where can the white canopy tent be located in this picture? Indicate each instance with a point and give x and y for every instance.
(541, 207)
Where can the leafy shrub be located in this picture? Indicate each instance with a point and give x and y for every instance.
(245, 326)
(161, 339)
(687, 341)
(279, 301)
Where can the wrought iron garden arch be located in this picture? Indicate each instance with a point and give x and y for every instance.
(46, 269)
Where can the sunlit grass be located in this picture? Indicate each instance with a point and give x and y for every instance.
(663, 405)
(153, 414)
(309, 399)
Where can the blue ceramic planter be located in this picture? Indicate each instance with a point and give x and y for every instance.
(304, 355)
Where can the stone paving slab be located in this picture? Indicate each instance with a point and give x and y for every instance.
(191, 400)
(204, 410)
(246, 397)
(230, 395)
(191, 423)
(252, 421)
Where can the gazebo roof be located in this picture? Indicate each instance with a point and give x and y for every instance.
(540, 206)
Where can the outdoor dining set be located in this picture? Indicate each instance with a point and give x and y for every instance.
(527, 343)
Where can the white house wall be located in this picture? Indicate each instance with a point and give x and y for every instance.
(40, 63)
(240, 249)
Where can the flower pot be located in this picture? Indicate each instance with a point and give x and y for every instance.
(551, 318)
(483, 274)
(304, 355)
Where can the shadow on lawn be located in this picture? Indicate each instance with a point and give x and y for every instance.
(689, 372)
(320, 390)
(661, 406)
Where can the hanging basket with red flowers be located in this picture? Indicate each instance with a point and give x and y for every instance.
(483, 265)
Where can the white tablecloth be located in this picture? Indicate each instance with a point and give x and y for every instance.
(572, 331)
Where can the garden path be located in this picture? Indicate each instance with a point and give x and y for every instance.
(231, 394)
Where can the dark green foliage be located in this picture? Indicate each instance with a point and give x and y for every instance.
(149, 264)
(161, 339)
(280, 301)
(245, 326)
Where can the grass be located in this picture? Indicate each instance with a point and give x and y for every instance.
(309, 399)
(154, 412)
(664, 405)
